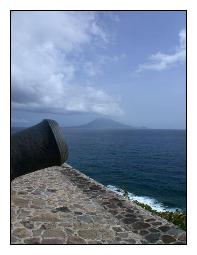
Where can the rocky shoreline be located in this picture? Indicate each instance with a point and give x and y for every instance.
(60, 205)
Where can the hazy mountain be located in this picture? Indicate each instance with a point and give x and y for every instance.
(103, 123)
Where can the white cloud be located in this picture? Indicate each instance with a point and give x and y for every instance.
(45, 46)
(103, 59)
(92, 69)
(182, 38)
(95, 68)
(161, 61)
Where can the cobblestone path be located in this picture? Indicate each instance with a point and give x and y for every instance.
(60, 205)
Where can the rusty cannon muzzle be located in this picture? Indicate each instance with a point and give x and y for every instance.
(37, 147)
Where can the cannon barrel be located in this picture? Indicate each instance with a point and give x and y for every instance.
(37, 147)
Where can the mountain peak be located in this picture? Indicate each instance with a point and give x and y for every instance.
(104, 123)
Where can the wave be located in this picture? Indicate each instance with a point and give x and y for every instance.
(153, 203)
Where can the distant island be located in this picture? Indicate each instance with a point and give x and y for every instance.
(104, 123)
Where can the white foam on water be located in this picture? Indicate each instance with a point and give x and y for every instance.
(153, 203)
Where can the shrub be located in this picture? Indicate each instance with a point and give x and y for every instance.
(178, 218)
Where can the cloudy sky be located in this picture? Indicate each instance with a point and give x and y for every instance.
(77, 66)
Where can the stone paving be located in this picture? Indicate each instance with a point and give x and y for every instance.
(60, 205)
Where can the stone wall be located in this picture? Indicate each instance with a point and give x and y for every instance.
(60, 205)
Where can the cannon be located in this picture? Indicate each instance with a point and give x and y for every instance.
(37, 147)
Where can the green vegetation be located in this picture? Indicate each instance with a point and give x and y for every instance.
(178, 218)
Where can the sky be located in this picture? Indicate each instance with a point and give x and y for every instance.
(73, 67)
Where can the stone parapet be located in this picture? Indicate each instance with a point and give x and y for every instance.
(60, 205)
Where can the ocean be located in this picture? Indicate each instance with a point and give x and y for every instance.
(149, 164)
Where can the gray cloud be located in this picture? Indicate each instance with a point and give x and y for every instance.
(44, 50)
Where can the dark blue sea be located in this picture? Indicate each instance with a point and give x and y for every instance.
(150, 164)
